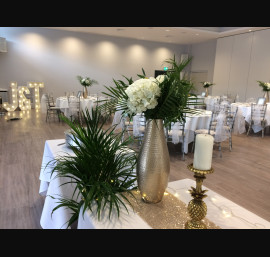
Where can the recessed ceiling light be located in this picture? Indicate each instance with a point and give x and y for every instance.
(167, 30)
(250, 30)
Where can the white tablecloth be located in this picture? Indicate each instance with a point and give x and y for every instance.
(85, 103)
(221, 211)
(193, 122)
(210, 101)
(244, 115)
(50, 186)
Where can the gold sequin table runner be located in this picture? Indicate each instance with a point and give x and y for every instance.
(170, 213)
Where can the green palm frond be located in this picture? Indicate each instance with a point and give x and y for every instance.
(100, 166)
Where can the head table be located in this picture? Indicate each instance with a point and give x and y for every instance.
(223, 212)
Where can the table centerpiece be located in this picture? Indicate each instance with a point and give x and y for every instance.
(266, 88)
(162, 100)
(86, 82)
(206, 85)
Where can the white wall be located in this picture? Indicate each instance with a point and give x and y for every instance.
(240, 61)
(56, 57)
(203, 61)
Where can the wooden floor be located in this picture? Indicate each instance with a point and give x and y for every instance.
(242, 176)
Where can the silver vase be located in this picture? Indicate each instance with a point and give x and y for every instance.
(85, 92)
(266, 95)
(153, 163)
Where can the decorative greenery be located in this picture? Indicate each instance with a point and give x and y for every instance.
(165, 97)
(100, 167)
(265, 85)
(86, 82)
(207, 84)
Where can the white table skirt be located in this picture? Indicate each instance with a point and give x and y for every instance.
(223, 212)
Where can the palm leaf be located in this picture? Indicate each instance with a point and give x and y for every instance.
(99, 166)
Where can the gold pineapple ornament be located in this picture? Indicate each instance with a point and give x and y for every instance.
(197, 208)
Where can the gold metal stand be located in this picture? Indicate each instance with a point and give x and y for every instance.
(197, 208)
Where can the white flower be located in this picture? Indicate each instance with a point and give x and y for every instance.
(160, 78)
(142, 95)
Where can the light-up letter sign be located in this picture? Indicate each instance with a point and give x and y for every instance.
(24, 103)
(36, 85)
(14, 100)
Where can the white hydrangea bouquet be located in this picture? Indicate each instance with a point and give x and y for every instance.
(164, 97)
(265, 85)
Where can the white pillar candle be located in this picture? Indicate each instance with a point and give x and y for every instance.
(203, 152)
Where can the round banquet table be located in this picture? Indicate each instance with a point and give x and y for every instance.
(199, 120)
(210, 101)
(193, 122)
(244, 115)
(85, 103)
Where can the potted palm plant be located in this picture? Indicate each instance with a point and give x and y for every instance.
(101, 168)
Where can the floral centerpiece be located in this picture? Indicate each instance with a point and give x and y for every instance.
(164, 97)
(162, 100)
(207, 84)
(86, 82)
(265, 85)
(266, 88)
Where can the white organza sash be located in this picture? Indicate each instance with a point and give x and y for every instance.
(117, 120)
(136, 125)
(176, 132)
(221, 132)
(257, 119)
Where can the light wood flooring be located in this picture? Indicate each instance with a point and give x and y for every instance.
(242, 176)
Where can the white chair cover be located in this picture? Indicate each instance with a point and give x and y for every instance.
(257, 119)
(43, 105)
(137, 125)
(117, 120)
(176, 132)
(221, 132)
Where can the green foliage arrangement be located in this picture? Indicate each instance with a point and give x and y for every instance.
(86, 82)
(101, 167)
(207, 84)
(165, 97)
(265, 85)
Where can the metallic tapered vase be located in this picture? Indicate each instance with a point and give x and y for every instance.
(153, 164)
(85, 92)
(206, 92)
(266, 95)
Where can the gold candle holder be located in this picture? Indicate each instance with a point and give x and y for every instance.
(197, 208)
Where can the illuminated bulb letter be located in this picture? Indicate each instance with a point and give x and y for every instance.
(36, 85)
(14, 100)
(24, 103)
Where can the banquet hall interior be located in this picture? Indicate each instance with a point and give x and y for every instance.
(39, 70)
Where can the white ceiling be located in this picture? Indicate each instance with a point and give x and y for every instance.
(175, 35)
